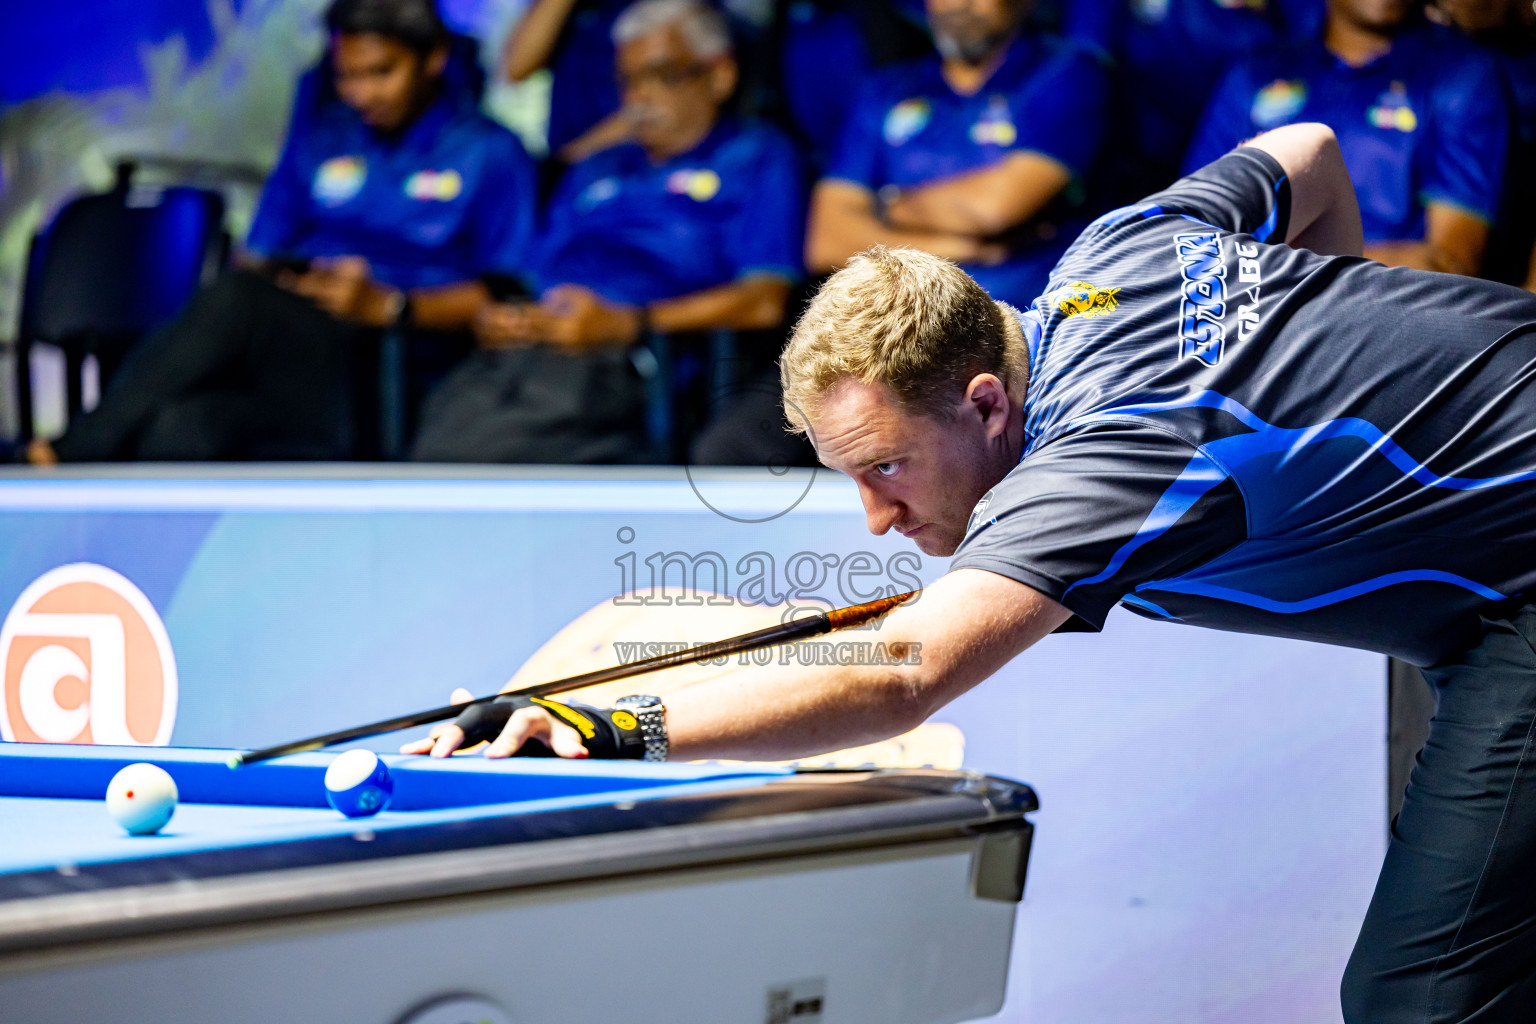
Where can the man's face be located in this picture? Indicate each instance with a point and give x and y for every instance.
(917, 474)
(670, 97)
(383, 79)
(1384, 16)
(971, 31)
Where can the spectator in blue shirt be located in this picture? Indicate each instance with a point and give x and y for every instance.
(1508, 29)
(694, 226)
(1421, 115)
(384, 210)
(975, 154)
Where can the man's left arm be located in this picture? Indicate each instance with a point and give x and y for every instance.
(1453, 243)
(1463, 179)
(345, 288)
(755, 302)
(577, 318)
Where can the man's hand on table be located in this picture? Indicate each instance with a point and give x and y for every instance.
(532, 723)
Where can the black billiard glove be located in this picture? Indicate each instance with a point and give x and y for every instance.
(602, 736)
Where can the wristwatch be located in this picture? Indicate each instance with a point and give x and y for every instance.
(652, 716)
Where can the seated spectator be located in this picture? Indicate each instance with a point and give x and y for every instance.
(973, 154)
(384, 211)
(694, 226)
(1421, 116)
(1508, 29)
(1168, 57)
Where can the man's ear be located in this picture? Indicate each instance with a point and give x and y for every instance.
(437, 60)
(723, 74)
(987, 399)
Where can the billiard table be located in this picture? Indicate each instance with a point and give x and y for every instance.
(522, 890)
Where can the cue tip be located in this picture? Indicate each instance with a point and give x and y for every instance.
(235, 760)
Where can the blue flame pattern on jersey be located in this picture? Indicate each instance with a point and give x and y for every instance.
(1261, 439)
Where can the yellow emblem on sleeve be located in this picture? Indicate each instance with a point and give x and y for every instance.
(1087, 299)
(624, 720)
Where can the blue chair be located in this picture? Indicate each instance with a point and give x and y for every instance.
(108, 269)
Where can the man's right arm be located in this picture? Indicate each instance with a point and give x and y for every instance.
(968, 624)
(844, 221)
(1325, 216)
(532, 41)
(965, 627)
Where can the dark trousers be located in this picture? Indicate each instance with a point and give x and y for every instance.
(536, 405)
(1451, 931)
(247, 370)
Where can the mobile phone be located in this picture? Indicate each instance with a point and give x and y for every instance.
(275, 265)
(505, 288)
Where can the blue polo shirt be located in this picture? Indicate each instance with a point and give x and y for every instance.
(637, 232)
(1428, 121)
(448, 199)
(909, 128)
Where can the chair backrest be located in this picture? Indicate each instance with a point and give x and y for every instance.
(118, 263)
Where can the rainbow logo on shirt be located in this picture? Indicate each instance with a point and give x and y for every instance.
(996, 126)
(700, 186)
(1392, 111)
(1278, 102)
(339, 179)
(597, 193)
(906, 119)
(442, 186)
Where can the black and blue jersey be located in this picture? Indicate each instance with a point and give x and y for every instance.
(1231, 433)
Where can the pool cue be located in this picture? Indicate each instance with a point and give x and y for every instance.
(803, 628)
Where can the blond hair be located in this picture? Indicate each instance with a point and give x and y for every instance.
(907, 319)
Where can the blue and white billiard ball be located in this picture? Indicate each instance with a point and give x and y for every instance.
(142, 797)
(358, 784)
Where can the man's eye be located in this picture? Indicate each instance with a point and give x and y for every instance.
(886, 468)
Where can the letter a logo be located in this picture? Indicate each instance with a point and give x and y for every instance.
(85, 658)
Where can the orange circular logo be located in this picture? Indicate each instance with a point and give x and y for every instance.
(85, 659)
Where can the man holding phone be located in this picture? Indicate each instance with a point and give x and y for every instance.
(393, 197)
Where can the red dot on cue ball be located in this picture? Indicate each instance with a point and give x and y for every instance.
(129, 794)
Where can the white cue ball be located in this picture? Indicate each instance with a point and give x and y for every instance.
(142, 797)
